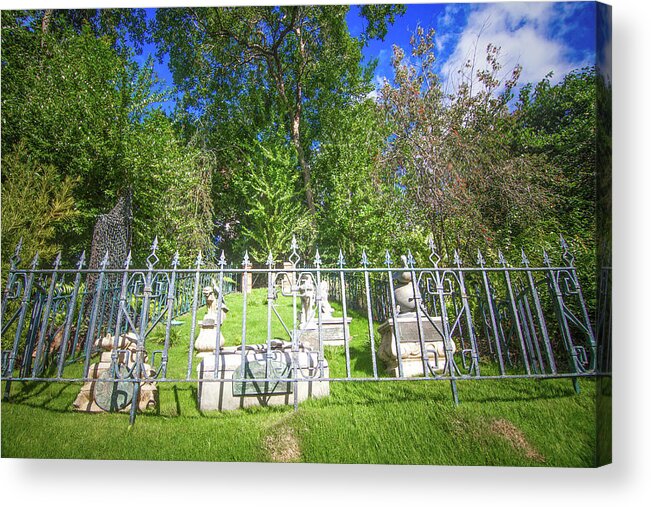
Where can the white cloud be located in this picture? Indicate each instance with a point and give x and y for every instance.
(524, 33)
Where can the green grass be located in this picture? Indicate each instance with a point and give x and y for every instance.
(507, 422)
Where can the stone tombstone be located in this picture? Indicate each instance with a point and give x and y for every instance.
(205, 343)
(406, 321)
(109, 396)
(243, 390)
(333, 331)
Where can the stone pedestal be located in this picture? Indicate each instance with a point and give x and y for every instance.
(411, 353)
(237, 394)
(204, 345)
(86, 400)
(332, 332)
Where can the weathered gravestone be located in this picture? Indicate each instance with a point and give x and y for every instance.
(405, 324)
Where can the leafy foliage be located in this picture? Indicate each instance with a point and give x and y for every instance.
(35, 199)
(452, 154)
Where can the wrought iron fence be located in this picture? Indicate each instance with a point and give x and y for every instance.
(466, 322)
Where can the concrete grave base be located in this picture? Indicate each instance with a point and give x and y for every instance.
(215, 395)
(411, 354)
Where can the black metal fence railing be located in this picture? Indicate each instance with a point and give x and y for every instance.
(455, 322)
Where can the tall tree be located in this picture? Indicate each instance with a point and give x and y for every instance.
(255, 67)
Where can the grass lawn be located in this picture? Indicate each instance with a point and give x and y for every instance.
(507, 422)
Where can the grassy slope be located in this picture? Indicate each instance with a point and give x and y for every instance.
(511, 422)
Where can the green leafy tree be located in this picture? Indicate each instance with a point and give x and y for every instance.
(273, 210)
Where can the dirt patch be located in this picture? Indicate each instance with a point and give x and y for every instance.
(516, 438)
(282, 445)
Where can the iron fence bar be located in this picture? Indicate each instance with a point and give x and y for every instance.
(557, 298)
(93, 316)
(369, 312)
(396, 330)
(70, 315)
(344, 313)
(193, 325)
(220, 308)
(245, 262)
(529, 331)
(540, 315)
(294, 258)
(466, 309)
(514, 313)
(491, 312)
(170, 310)
(24, 304)
(36, 367)
(417, 303)
(447, 339)
(319, 297)
(270, 302)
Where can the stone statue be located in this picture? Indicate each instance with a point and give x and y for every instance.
(325, 309)
(306, 291)
(205, 343)
(210, 292)
(403, 290)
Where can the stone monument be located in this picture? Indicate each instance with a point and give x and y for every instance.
(333, 329)
(207, 339)
(406, 321)
(109, 396)
(246, 391)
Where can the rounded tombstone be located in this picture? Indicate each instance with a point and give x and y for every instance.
(112, 394)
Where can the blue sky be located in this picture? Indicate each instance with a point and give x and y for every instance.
(542, 37)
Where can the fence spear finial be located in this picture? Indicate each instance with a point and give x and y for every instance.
(82, 260)
(152, 259)
(434, 257)
(270, 259)
(127, 261)
(480, 258)
(567, 254)
(500, 258)
(175, 259)
(222, 260)
(105, 260)
(317, 259)
(57, 261)
(525, 260)
(387, 258)
(364, 259)
(409, 260)
(15, 258)
(35, 261)
(340, 259)
(245, 261)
